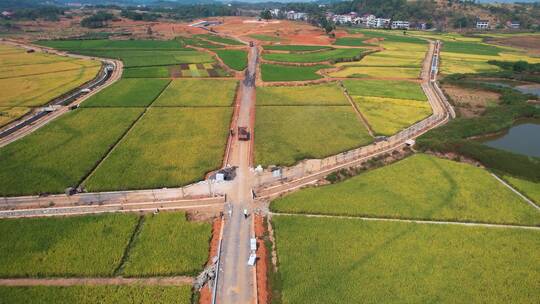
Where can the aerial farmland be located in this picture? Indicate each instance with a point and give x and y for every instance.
(161, 158)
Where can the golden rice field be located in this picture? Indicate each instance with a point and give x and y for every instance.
(388, 116)
(378, 72)
(8, 114)
(470, 63)
(33, 79)
(396, 60)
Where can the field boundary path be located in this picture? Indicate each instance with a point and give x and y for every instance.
(147, 281)
(33, 121)
(507, 185)
(397, 220)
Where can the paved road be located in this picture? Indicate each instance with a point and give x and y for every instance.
(236, 283)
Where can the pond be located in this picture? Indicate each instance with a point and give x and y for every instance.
(522, 138)
(533, 89)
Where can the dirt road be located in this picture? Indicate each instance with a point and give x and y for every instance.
(236, 283)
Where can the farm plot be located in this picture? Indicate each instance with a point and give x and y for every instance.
(285, 135)
(219, 39)
(128, 93)
(262, 37)
(322, 94)
(235, 59)
(527, 188)
(296, 48)
(181, 146)
(64, 246)
(324, 55)
(388, 116)
(32, 91)
(377, 72)
(97, 294)
(351, 41)
(33, 79)
(348, 260)
(184, 70)
(140, 58)
(61, 153)
(8, 115)
(198, 93)
(276, 72)
(419, 187)
(388, 89)
(102, 44)
(169, 244)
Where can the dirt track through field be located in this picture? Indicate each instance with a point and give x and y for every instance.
(160, 281)
(429, 222)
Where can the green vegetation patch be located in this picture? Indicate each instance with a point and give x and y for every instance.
(385, 88)
(351, 41)
(64, 246)
(265, 37)
(128, 93)
(387, 36)
(473, 48)
(219, 39)
(180, 146)
(235, 59)
(321, 94)
(296, 48)
(93, 44)
(388, 116)
(381, 262)
(419, 187)
(325, 55)
(287, 134)
(91, 294)
(167, 245)
(196, 92)
(184, 70)
(276, 72)
(61, 153)
(527, 188)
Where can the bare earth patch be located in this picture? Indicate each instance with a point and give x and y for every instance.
(470, 102)
(530, 43)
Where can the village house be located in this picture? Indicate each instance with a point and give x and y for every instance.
(482, 24)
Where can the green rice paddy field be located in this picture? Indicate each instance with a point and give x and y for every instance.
(276, 72)
(388, 116)
(285, 135)
(322, 94)
(419, 187)
(323, 55)
(181, 146)
(385, 88)
(324, 260)
(95, 246)
(296, 48)
(61, 153)
(149, 256)
(198, 93)
(97, 294)
(235, 59)
(128, 93)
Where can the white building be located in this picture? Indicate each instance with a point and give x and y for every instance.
(292, 15)
(482, 24)
(513, 24)
(275, 12)
(400, 25)
(379, 23)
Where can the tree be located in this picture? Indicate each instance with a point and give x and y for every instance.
(266, 15)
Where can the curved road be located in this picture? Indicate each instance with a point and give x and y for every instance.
(41, 121)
